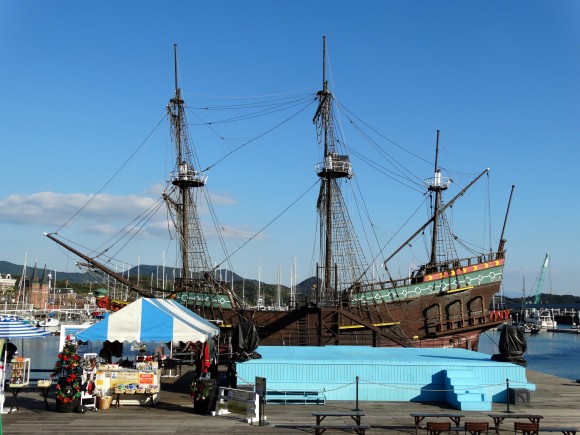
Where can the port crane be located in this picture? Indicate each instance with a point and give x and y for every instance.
(540, 280)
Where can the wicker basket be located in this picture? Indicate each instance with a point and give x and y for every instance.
(104, 402)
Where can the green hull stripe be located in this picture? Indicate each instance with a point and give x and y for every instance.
(411, 291)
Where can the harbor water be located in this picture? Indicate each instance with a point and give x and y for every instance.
(556, 354)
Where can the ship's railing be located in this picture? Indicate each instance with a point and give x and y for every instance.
(438, 182)
(186, 174)
(437, 268)
(335, 163)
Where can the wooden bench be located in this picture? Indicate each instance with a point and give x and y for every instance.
(564, 430)
(355, 415)
(498, 418)
(438, 427)
(472, 427)
(419, 417)
(295, 396)
(359, 429)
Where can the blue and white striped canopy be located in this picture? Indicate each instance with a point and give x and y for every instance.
(147, 320)
(14, 328)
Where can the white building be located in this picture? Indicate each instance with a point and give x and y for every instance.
(6, 282)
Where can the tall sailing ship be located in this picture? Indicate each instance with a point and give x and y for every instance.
(443, 303)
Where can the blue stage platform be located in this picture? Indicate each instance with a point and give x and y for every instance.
(465, 379)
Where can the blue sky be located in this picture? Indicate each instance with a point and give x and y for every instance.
(84, 85)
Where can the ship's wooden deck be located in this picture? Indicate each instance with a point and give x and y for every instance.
(556, 399)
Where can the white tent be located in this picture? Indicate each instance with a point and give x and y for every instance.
(151, 320)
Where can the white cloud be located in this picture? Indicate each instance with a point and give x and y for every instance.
(101, 214)
(54, 209)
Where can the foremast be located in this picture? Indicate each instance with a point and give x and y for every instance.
(182, 198)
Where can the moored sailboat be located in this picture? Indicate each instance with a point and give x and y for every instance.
(443, 303)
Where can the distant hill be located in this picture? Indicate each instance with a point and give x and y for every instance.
(144, 270)
(16, 271)
(546, 299)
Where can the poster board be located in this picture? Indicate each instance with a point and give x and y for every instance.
(70, 331)
(106, 381)
(20, 372)
(109, 379)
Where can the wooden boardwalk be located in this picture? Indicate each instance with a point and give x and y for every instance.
(557, 399)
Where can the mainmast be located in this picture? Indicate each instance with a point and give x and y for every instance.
(340, 252)
(325, 98)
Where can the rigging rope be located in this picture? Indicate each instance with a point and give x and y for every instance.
(268, 224)
(256, 138)
(347, 111)
(112, 177)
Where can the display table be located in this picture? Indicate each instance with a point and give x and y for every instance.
(150, 397)
(114, 381)
(45, 390)
(15, 390)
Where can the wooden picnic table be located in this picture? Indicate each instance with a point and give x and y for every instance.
(498, 418)
(564, 430)
(355, 415)
(420, 416)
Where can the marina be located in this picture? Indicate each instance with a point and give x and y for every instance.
(392, 326)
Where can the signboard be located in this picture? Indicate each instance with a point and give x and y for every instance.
(146, 378)
(239, 402)
(261, 387)
(69, 331)
(124, 378)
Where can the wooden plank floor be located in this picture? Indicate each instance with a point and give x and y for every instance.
(557, 399)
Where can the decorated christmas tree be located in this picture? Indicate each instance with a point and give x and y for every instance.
(69, 372)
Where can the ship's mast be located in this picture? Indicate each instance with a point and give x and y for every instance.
(341, 255)
(325, 101)
(181, 197)
(193, 253)
(437, 184)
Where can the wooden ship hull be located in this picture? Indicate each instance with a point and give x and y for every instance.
(444, 310)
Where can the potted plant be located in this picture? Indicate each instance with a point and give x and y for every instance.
(69, 371)
(203, 394)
